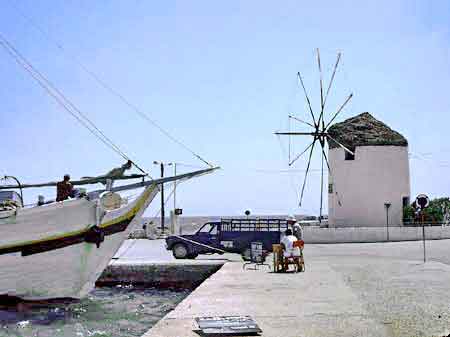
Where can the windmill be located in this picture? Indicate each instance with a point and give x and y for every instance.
(318, 129)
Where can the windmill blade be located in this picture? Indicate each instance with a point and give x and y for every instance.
(306, 173)
(301, 153)
(332, 78)
(321, 87)
(326, 160)
(295, 133)
(346, 149)
(321, 191)
(330, 174)
(340, 109)
(290, 141)
(307, 98)
(301, 120)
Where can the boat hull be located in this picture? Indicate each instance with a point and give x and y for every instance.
(70, 271)
(39, 223)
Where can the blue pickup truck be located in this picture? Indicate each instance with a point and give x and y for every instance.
(227, 236)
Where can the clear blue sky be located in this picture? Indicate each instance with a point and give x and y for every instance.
(222, 78)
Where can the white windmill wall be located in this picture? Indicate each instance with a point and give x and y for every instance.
(377, 175)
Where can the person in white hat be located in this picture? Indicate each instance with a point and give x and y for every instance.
(297, 230)
(290, 250)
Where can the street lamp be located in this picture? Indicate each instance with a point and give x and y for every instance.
(387, 205)
(163, 214)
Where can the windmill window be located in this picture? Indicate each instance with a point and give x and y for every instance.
(330, 188)
(349, 156)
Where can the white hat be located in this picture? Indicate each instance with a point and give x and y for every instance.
(291, 218)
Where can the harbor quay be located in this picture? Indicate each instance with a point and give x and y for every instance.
(358, 289)
(161, 275)
(147, 263)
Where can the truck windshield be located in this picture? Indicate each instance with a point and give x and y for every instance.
(208, 228)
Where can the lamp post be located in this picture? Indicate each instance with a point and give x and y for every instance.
(174, 187)
(163, 214)
(387, 205)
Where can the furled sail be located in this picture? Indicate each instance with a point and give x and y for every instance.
(87, 181)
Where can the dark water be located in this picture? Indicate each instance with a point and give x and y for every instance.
(106, 312)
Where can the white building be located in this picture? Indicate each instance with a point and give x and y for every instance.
(360, 186)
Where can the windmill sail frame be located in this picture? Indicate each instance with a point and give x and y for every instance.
(320, 128)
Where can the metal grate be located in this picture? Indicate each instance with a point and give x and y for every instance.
(226, 325)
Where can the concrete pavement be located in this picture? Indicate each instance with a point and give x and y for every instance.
(381, 289)
(315, 303)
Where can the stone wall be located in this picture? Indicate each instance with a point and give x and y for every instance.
(373, 234)
(361, 187)
(187, 274)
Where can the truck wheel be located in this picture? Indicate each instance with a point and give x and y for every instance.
(246, 255)
(180, 251)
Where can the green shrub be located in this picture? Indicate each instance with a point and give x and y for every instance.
(435, 212)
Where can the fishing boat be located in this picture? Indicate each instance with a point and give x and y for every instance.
(58, 250)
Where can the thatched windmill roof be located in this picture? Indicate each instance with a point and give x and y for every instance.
(364, 130)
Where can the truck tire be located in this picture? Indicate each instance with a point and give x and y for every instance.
(180, 251)
(246, 254)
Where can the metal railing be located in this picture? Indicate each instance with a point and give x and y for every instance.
(253, 225)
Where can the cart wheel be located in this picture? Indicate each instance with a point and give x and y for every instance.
(180, 251)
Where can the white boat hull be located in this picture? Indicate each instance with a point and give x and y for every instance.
(38, 223)
(71, 271)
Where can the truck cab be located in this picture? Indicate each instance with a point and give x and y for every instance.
(227, 236)
(191, 245)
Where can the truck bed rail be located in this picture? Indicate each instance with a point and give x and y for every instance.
(253, 225)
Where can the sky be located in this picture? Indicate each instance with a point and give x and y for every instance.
(221, 78)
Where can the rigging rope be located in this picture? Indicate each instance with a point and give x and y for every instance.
(126, 250)
(166, 200)
(110, 89)
(62, 100)
(290, 174)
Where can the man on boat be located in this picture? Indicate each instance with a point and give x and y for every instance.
(116, 172)
(64, 189)
(119, 171)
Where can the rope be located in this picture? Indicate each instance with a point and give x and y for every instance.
(189, 165)
(111, 90)
(166, 200)
(424, 158)
(135, 240)
(200, 244)
(62, 99)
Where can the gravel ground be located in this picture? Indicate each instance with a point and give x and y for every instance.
(393, 283)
